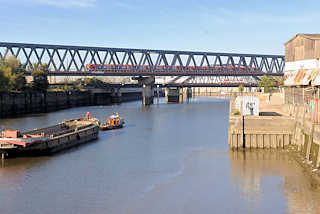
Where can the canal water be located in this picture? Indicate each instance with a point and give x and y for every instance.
(168, 159)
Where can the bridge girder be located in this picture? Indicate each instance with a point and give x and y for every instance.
(72, 60)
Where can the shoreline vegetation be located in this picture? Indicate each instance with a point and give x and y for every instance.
(19, 97)
(12, 78)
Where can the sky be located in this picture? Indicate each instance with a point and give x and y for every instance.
(250, 27)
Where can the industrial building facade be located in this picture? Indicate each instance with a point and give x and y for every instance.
(302, 71)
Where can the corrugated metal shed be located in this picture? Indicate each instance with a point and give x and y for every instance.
(314, 73)
(302, 77)
(289, 78)
(316, 79)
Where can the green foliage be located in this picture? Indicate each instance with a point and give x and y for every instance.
(87, 81)
(236, 112)
(92, 81)
(14, 64)
(63, 88)
(18, 81)
(241, 88)
(4, 77)
(66, 88)
(78, 86)
(40, 77)
(11, 74)
(269, 83)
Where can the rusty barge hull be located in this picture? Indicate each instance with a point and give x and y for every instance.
(70, 138)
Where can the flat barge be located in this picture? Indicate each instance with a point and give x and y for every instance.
(48, 140)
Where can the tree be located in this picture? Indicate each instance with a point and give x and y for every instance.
(11, 74)
(268, 83)
(18, 81)
(241, 88)
(93, 81)
(40, 77)
(89, 81)
(78, 87)
(4, 76)
(14, 64)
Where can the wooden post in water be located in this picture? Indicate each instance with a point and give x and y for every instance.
(243, 134)
(242, 140)
(158, 94)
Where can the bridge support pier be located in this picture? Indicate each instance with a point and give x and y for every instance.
(147, 95)
(116, 95)
(147, 89)
(4, 155)
(187, 93)
(174, 95)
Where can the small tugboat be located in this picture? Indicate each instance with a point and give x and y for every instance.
(50, 139)
(113, 122)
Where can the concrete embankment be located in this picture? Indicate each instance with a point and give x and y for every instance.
(291, 129)
(260, 132)
(270, 131)
(15, 104)
(307, 135)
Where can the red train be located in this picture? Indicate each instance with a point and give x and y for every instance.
(162, 68)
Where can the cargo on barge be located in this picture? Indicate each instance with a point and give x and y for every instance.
(50, 139)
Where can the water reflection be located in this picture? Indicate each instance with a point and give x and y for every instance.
(168, 159)
(254, 171)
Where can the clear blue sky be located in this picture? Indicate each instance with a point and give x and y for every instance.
(205, 25)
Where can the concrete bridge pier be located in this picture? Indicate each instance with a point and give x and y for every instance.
(187, 93)
(174, 95)
(116, 95)
(4, 155)
(147, 89)
(147, 95)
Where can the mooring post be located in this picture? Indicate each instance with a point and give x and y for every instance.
(243, 134)
(2, 155)
(158, 94)
(243, 143)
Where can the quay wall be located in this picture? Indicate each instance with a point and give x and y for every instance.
(260, 132)
(307, 134)
(17, 104)
(295, 131)
(12, 104)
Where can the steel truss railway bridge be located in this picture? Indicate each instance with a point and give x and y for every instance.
(74, 60)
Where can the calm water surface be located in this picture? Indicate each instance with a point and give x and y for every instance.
(168, 159)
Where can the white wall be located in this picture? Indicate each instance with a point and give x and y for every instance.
(302, 64)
